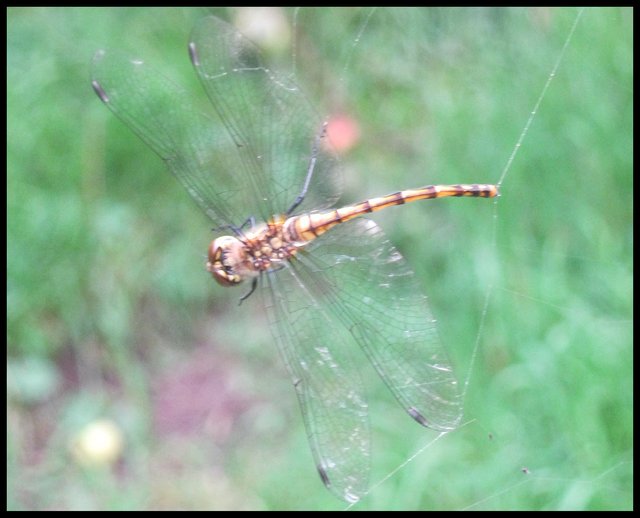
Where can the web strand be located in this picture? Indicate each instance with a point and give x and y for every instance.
(489, 291)
(543, 93)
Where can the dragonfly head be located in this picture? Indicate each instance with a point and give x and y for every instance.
(227, 256)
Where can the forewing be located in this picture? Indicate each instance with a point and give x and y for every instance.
(195, 146)
(276, 130)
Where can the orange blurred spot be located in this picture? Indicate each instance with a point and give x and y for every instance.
(343, 133)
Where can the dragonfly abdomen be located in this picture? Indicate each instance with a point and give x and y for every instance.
(306, 227)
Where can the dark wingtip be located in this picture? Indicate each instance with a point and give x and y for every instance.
(346, 495)
(193, 54)
(324, 476)
(100, 91)
(413, 412)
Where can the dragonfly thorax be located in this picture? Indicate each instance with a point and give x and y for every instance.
(264, 247)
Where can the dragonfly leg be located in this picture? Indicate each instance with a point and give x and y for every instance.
(312, 164)
(254, 285)
(250, 221)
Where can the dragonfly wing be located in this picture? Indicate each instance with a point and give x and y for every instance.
(375, 294)
(274, 126)
(194, 146)
(315, 350)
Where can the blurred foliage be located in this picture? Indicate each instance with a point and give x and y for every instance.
(111, 316)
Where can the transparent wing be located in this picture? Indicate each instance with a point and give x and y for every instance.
(250, 155)
(194, 146)
(373, 291)
(270, 119)
(315, 349)
(350, 285)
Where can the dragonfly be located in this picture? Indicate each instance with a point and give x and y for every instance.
(259, 165)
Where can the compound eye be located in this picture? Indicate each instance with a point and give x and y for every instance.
(222, 263)
(214, 252)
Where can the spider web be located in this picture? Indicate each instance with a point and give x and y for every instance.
(487, 89)
(531, 292)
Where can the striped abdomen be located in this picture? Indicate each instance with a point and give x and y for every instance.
(308, 226)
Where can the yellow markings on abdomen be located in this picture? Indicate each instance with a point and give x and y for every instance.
(307, 227)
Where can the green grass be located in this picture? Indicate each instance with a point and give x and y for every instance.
(110, 314)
